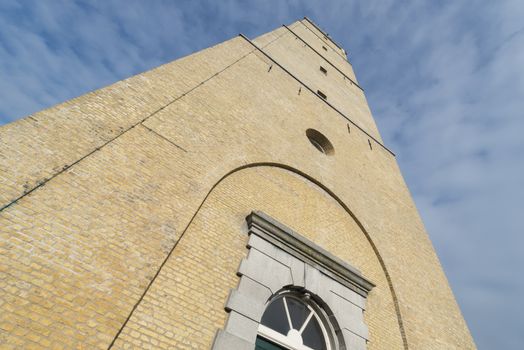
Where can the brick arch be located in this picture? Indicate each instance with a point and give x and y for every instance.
(312, 180)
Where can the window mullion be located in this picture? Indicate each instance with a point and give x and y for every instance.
(287, 313)
(306, 322)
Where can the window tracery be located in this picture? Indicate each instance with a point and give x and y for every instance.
(292, 321)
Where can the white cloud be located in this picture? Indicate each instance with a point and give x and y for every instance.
(459, 140)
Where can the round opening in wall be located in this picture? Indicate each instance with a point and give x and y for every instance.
(320, 142)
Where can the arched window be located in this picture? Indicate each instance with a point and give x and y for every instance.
(293, 321)
(293, 295)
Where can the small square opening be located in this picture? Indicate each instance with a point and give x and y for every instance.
(323, 70)
(325, 48)
(321, 94)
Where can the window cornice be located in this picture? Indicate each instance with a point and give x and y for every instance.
(300, 247)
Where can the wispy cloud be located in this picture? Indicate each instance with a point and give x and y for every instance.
(451, 104)
(444, 80)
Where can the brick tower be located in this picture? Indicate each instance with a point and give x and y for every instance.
(236, 198)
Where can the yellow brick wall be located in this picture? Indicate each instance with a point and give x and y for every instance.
(38, 147)
(96, 192)
(193, 285)
(337, 84)
(316, 39)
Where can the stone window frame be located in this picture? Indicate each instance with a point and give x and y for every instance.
(281, 259)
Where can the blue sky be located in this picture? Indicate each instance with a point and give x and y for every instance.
(444, 79)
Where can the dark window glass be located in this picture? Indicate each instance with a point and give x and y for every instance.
(263, 344)
(298, 312)
(312, 335)
(275, 317)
